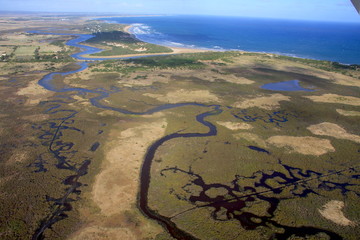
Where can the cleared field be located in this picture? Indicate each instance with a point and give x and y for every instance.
(46, 49)
(25, 51)
(6, 49)
(22, 38)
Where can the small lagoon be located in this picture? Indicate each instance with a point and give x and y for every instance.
(292, 85)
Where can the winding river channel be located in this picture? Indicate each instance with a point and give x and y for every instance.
(46, 82)
(233, 205)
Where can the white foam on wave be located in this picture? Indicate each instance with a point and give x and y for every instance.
(147, 34)
(142, 29)
(176, 44)
(217, 47)
(179, 45)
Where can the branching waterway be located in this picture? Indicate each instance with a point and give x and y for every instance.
(63, 204)
(234, 204)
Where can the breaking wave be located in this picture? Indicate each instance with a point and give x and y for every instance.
(146, 33)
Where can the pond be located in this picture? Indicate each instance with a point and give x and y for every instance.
(292, 85)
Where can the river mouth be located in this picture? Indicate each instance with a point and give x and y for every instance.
(286, 86)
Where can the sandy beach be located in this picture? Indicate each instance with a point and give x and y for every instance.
(176, 50)
(127, 29)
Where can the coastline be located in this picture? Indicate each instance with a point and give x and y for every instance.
(183, 50)
(175, 50)
(180, 50)
(280, 52)
(127, 29)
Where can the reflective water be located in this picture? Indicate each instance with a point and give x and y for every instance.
(292, 85)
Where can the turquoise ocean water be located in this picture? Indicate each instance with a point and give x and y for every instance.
(339, 42)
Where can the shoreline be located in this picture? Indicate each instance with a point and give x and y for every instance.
(176, 50)
(182, 50)
(127, 29)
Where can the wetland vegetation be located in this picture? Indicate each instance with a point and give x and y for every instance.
(185, 146)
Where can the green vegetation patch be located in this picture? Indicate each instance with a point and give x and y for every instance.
(94, 26)
(25, 51)
(123, 43)
(168, 62)
(116, 36)
(134, 49)
(349, 70)
(150, 63)
(59, 43)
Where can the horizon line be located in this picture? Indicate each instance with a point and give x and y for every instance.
(114, 14)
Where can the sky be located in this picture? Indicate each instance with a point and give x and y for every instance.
(320, 10)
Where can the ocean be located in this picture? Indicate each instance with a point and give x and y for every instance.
(339, 42)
